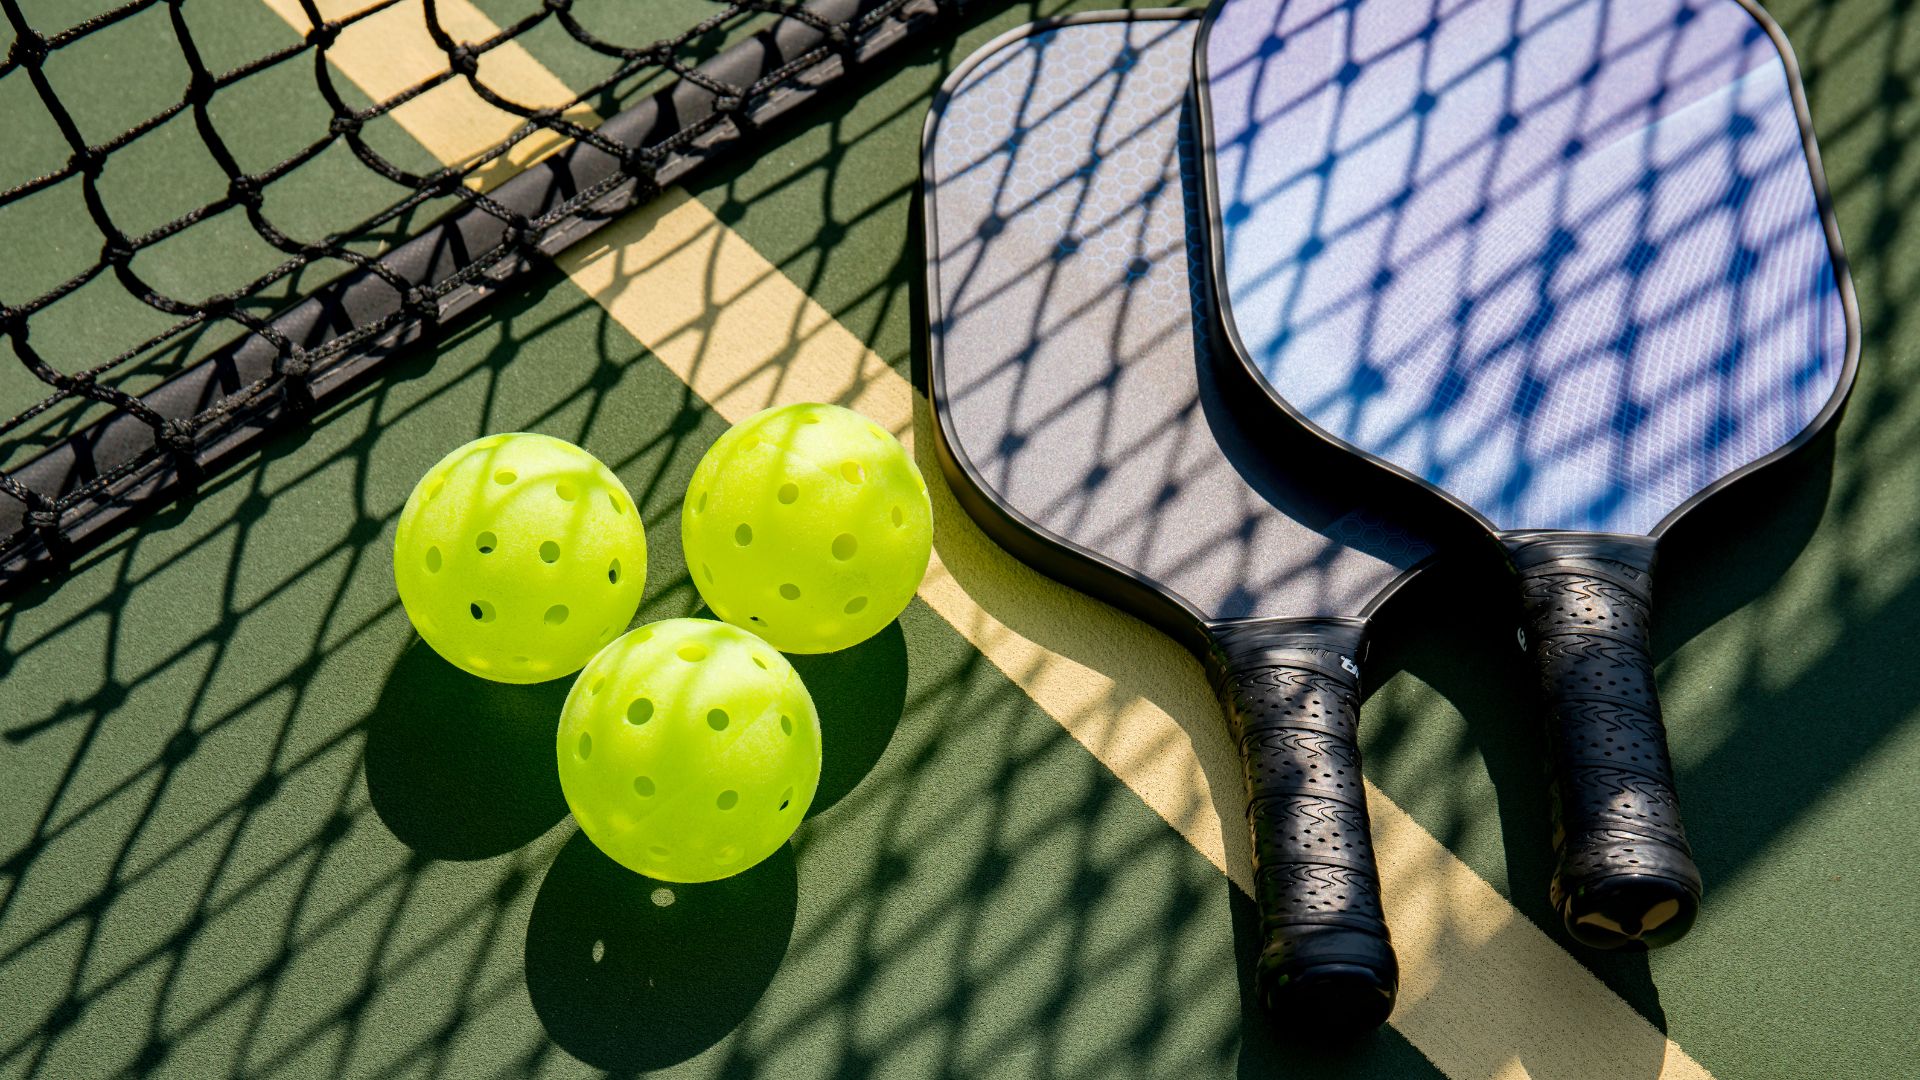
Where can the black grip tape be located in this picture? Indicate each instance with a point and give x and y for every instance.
(1291, 689)
(1624, 874)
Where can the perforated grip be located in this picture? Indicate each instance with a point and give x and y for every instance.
(1291, 689)
(1624, 876)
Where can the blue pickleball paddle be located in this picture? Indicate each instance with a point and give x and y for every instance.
(1080, 423)
(1571, 265)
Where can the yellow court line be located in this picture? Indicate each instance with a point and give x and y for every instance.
(1485, 992)
(390, 51)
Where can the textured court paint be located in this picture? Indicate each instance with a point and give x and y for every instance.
(1485, 992)
(226, 730)
(752, 277)
(1562, 262)
(250, 592)
(1762, 627)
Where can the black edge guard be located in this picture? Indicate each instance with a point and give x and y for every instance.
(1624, 875)
(1291, 688)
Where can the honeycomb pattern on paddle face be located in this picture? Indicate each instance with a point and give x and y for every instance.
(1069, 315)
(1071, 112)
(1568, 267)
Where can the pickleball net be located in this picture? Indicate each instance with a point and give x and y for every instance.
(186, 279)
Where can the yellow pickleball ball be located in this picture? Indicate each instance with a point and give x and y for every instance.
(689, 750)
(809, 525)
(518, 556)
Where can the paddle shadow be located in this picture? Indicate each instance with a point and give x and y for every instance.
(459, 767)
(629, 973)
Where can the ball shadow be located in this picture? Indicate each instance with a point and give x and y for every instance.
(860, 694)
(459, 767)
(629, 973)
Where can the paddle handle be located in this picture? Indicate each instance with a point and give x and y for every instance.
(1291, 689)
(1624, 874)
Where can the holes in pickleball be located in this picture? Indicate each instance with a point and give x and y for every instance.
(659, 851)
(643, 786)
(856, 605)
(692, 652)
(505, 477)
(599, 683)
(613, 572)
(727, 800)
(700, 504)
(549, 551)
(743, 535)
(899, 517)
(708, 571)
(786, 725)
(757, 662)
(786, 797)
(433, 560)
(790, 591)
(809, 418)
(717, 719)
(614, 501)
(486, 542)
(566, 491)
(844, 546)
(586, 745)
(853, 472)
(788, 493)
(640, 711)
(481, 611)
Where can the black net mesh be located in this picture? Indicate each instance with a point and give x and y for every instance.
(193, 261)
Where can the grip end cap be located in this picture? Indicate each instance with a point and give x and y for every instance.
(1331, 984)
(1630, 912)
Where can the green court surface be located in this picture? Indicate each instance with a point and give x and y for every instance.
(251, 825)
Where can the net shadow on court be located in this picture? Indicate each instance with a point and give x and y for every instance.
(195, 867)
(241, 901)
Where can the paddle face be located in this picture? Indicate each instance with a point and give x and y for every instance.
(1081, 424)
(1067, 369)
(1568, 262)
